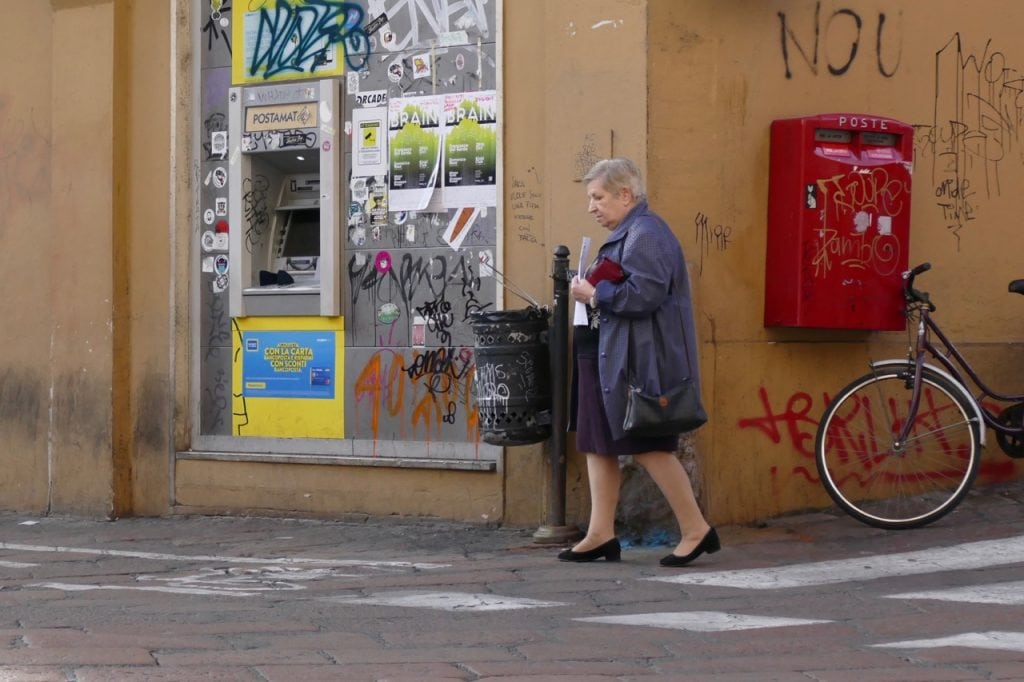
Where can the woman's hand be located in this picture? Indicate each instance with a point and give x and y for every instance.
(581, 289)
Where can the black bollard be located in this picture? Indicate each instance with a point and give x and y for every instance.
(555, 530)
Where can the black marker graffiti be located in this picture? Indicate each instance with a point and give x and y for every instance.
(843, 30)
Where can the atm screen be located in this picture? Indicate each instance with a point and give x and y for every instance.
(302, 233)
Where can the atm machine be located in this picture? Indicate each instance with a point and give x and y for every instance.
(285, 169)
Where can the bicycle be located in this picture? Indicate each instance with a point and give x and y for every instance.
(900, 446)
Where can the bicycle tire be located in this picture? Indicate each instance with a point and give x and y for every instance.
(889, 487)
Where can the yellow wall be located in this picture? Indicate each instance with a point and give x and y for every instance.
(718, 78)
(575, 91)
(85, 395)
(25, 231)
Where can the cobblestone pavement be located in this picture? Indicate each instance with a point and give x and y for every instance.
(809, 597)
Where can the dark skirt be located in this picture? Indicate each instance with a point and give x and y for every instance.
(592, 432)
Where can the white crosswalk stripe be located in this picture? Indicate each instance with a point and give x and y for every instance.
(1004, 641)
(702, 621)
(960, 557)
(444, 601)
(1007, 594)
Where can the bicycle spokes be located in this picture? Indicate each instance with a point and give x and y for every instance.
(882, 480)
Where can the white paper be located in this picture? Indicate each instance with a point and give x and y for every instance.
(579, 317)
(369, 141)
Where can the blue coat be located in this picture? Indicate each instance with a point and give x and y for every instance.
(645, 320)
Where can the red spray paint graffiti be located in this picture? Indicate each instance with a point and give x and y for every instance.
(795, 426)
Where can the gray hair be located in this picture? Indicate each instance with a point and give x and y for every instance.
(616, 174)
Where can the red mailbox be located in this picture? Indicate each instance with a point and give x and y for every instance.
(838, 222)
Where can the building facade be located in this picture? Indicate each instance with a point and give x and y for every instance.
(153, 196)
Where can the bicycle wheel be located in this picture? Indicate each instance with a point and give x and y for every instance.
(887, 485)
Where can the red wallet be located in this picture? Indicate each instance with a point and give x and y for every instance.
(605, 269)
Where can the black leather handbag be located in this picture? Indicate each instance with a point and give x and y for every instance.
(676, 411)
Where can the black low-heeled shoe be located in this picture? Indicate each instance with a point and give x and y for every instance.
(709, 543)
(611, 551)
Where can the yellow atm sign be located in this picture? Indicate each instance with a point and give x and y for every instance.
(280, 117)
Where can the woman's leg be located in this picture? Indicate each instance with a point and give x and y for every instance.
(603, 472)
(671, 478)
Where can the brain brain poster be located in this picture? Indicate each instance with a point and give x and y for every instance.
(414, 137)
(470, 149)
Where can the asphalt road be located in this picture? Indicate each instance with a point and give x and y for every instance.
(811, 597)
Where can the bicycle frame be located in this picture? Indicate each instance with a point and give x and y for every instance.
(926, 327)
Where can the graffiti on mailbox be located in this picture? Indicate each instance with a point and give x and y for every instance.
(859, 207)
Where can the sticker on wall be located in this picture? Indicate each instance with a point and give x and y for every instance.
(884, 224)
(215, 15)
(359, 191)
(376, 232)
(219, 284)
(371, 98)
(369, 141)
(861, 222)
(220, 242)
(419, 331)
(486, 262)
(396, 70)
(401, 217)
(388, 313)
(352, 82)
(220, 264)
(221, 227)
(220, 177)
(460, 61)
(811, 195)
(209, 216)
(410, 233)
(375, 24)
(357, 236)
(219, 143)
(207, 264)
(377, 204)
(388, 39)
(421, 65)
(208, 241)
(452, 38)
(359, 259)
(459, 227)
(382, 262)
(221, 206)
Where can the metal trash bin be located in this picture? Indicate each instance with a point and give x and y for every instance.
(512, 382)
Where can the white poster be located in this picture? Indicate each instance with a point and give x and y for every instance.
(471, 149)
(369, 142)
(415, 135)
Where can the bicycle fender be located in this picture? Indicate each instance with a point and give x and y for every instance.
(935, 369)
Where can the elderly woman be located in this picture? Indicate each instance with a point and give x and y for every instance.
(641, 325)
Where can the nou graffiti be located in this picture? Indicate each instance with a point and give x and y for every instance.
(793, 423)
(295, 38)
(840, 35)
(421, 392)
